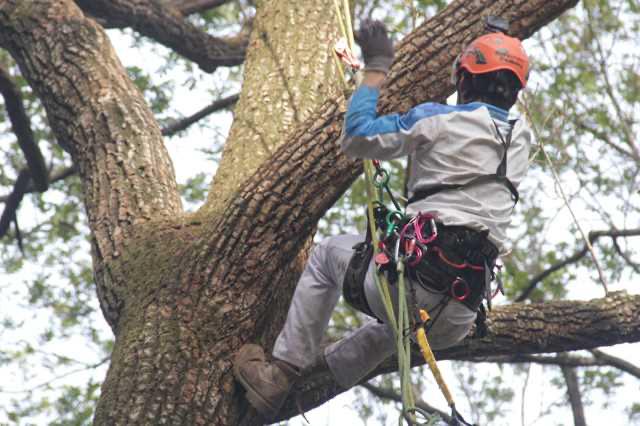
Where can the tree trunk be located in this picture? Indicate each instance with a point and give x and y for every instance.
(289, 73)
(182, 293)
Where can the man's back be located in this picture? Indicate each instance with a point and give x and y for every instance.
(448, 145)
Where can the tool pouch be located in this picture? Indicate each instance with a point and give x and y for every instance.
(353, 284)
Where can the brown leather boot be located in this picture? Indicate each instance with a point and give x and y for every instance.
(267, 383)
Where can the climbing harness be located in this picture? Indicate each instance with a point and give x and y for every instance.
(406, 246)
(499, 176)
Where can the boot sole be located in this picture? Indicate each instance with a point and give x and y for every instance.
(256, 400)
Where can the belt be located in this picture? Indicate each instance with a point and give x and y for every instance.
(462, 244)
(458, 245)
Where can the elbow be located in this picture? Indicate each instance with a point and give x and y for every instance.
(352, 146)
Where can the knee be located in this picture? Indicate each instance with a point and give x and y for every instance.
(453, 325)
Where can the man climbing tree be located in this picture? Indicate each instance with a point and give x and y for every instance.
(462, 194)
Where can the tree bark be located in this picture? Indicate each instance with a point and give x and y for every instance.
(289, 73)
(103, 120)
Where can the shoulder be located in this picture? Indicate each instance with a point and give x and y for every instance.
(432, 110)
(524, 132)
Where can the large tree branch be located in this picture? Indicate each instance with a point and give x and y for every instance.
(22, 128)
(167, 26)
(267, 113)
(111, 133)
(515, 329)
(593, 236)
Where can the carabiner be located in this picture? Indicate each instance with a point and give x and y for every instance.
(393, 219)
(409, 246)
(460, 289)
(419, 221)
(413, 252)
(381, 178)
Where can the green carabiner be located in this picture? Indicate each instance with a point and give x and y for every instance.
(393, 218)
(381, 178)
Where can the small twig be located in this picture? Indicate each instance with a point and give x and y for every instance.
(604, 71)
(599, 359)
(593, 236)
(54, 177)
(394, 396)
(566, 201)
(61, 376)
(627, 259)
(523, 396)
(575, 396)
(616, 362)
(13, 201)
(184, 123)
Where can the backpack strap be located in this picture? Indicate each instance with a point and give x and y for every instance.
(499, 176)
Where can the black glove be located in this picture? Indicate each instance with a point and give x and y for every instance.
(376, 46)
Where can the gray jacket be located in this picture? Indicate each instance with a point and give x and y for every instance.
(448, 145)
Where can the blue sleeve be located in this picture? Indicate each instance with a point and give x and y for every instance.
(366, 135)
(361, 119)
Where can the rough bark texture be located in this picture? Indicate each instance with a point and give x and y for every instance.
(166, 25)
(289, 72)
(126, 172)
(184, 292)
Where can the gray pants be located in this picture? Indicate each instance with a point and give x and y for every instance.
(359, 352)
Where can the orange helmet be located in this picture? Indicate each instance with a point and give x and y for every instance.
(493, 52)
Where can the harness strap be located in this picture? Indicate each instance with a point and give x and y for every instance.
(499, 176)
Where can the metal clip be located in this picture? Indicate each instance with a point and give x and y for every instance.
(459, 293)
(345, 54)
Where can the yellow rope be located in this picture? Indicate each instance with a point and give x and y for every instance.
(430, 358)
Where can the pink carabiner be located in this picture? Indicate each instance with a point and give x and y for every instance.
(455, 287)
(409, 246)
(418, 257)
(420, 220)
